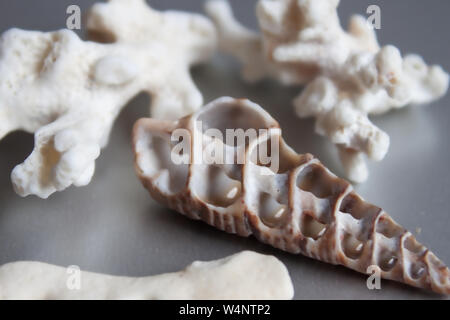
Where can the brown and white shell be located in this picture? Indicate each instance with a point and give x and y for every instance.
(301, 208)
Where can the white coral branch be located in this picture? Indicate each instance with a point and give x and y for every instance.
(347, 75)
(246, 275)
(69, 92)
(238, 40)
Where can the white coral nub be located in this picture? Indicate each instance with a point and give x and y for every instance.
(69, 92)
(245, 275)
(347, 75)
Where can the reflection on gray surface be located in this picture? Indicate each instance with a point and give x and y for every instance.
(113, 226)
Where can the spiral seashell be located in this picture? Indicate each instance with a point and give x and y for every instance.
(293, 202)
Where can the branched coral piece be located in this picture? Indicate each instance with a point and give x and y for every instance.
(347, 75)
(246, 275)
(69, 92)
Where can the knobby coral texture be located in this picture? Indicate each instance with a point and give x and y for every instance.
(245, 275)
(301, 207)
(346, 74)
(68, 92)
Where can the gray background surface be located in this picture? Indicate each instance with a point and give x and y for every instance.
(113, 226)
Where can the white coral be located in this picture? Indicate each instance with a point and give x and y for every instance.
(348, 75)
(69, 92)
(246, 275)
